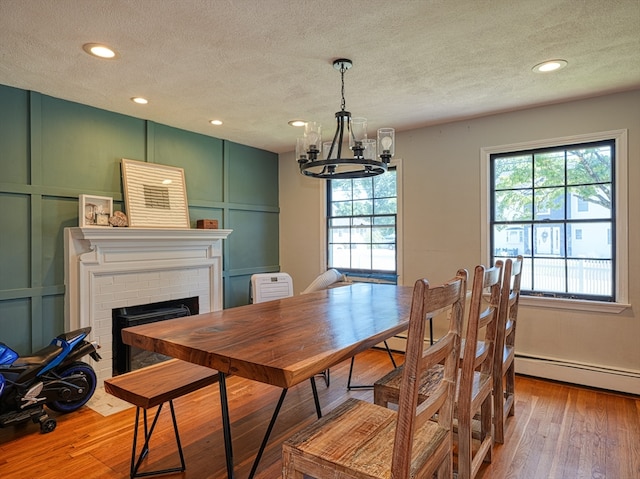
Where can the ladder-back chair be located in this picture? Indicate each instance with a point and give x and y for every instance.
(475, 378)
(504, 375)
(361, 440)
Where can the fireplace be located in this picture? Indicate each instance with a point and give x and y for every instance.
(128, 358)
(114, 268)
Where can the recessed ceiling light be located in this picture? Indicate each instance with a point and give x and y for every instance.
(550, 66)
(216, 122)
(297, 123)
(99, 50)
(139, 100)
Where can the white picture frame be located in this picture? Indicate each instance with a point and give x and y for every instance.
(155, 195)
(94, 211)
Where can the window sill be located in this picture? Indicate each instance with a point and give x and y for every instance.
(573, 304)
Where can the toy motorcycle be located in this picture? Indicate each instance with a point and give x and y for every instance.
(53, 376)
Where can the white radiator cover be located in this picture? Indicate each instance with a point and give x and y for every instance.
(107, 268)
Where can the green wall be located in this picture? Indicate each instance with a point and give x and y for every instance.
(53, 150)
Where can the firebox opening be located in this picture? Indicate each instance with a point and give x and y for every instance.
(127, 358)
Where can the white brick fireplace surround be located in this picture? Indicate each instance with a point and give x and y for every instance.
(107, 268)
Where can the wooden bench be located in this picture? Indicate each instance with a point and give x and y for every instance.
(153, 386)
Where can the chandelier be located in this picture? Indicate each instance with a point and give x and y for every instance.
(325, 160)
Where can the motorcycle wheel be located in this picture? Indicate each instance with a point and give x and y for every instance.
(77, 367)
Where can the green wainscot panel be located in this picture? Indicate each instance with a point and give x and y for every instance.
(84, 145)
(198, 213)
(57, 214)
(15, 325)
(118, 205)
(253, 175)
(15, 241)
(200, 156)
(254, 242)
(52, 317)
(236, 291)
(14, 135)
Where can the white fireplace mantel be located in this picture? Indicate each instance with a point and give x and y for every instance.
(108, 268)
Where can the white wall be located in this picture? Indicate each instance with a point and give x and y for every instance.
(441, 178)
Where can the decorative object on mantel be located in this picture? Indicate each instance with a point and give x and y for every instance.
(155, 195)
(94, 210)
(365, 162)
(207, 224)
(118, 219)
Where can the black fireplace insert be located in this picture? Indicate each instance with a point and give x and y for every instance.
(127, 358)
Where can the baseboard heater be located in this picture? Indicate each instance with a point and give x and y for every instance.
(601, 377)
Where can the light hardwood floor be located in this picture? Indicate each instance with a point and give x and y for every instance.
(559, 431)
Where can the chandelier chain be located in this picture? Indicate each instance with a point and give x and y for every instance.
(342, 70)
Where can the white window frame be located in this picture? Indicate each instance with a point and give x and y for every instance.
(622, 217)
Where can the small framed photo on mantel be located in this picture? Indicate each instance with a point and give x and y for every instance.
(94, 210)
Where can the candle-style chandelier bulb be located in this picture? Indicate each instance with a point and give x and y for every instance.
(313, 133)
(386, 143)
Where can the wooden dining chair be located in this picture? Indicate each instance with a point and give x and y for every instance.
(504, 372)
(324, 281)
(269, 286)
(475, 380)
(359, 440)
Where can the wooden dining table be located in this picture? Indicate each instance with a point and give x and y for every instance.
(281, 342)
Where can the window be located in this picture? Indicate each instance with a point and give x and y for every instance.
(362, 225)
(583, 205)
(556, 207)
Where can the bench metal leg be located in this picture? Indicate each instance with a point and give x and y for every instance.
(135, 464)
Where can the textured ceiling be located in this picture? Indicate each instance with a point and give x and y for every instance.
(256, 64)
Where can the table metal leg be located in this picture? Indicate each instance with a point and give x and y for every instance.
(367, 386)
(273, 422)
(316, 400)
(268, 433)
(226, 425)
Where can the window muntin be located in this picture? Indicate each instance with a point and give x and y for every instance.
(362, 224)
(539, 199)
